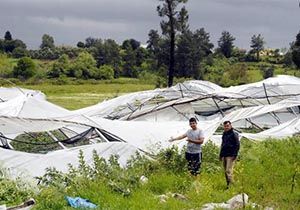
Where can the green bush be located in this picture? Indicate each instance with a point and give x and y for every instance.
(25, 68)
(105, 72)
(84, 66)
(148, 77)
(59, 67)
(172, 159)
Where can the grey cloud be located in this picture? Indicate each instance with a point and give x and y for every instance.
(72, 20)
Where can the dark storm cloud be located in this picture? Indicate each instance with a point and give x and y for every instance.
(276, 20)
(70, 21)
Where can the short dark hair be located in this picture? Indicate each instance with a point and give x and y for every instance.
(226, 122)
(192, 119)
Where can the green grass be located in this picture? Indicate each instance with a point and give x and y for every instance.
(264, 171)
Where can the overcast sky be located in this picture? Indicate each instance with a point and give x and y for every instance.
(70, 21)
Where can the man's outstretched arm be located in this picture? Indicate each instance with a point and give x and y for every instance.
(177, 138)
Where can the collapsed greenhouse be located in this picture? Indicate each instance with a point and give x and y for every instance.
(141, 121)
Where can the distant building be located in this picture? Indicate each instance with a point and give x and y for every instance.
(270, 52)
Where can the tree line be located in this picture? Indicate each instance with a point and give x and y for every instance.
(177, 52)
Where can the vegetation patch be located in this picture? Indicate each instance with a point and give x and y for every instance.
(269, 172)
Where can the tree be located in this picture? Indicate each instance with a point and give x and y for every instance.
(129, 61)
(18, 48)
(59, 67)
(7, 36)
(80, 45)
(257, 44)
(192, 47)
(92, 42)
(184, 55)
(183, 18)
(19, 43)
(153, 47)
(225, 44)
(288, 59)
(169, 28)
(47, 53)
(133, 55)
(47, 42)
(71, 52)
(202, 38)
(108, 53)
(19, 52)
(239, 54)
(141, 55)
(25, 68)
(153, 42)
(132, 42)
(84, 66)
(9, 46)
(295, 48)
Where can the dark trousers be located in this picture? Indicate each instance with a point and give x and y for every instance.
(194, 162)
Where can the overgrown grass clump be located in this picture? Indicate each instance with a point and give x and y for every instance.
(269, 172)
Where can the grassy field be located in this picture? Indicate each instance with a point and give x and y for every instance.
(269, 172)
(81, 95)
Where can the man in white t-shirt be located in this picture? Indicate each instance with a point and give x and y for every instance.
(193, 153)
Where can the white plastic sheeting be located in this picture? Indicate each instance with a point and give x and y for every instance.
(265, 115)
(141, 134)
(284, 130)
(154, 117)
(28, 106)
(29, 113)
(21, 163)
(281, 85)
(10, 93)
(205, 98)
(150, 136)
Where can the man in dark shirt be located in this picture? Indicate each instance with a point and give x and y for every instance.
(229, 150)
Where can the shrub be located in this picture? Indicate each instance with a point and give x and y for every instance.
(59, 67)
(25, 68)
(83, 67)
(105, 72)
(172, 159)
(147, 77)
(268, 72)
